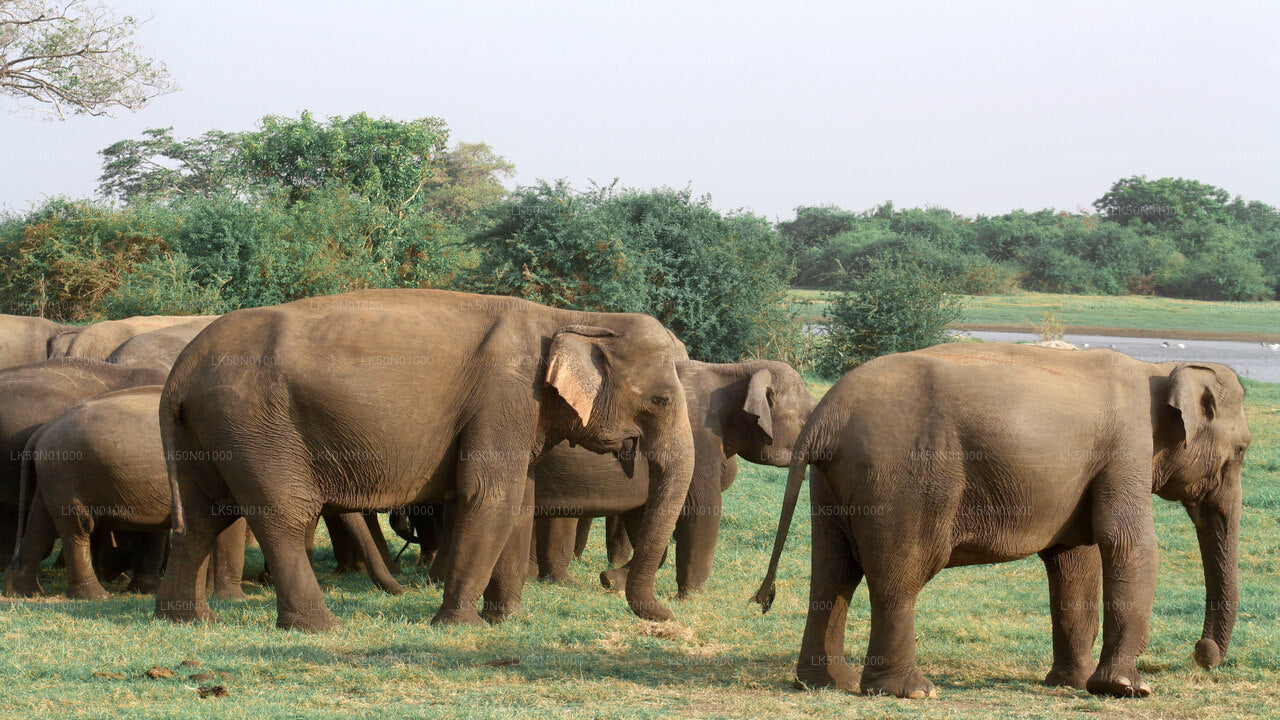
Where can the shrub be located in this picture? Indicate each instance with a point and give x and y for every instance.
(890, 304)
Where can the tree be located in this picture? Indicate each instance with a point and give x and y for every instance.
(161, 167)
(1164, 203)
(467, 181)
(890, 304)
(75, 57)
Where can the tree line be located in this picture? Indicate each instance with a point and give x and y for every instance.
(300, 206)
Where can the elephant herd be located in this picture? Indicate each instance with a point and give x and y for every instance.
(493, 429)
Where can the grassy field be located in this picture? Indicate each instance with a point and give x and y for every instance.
(983, 636)
(1184, 318)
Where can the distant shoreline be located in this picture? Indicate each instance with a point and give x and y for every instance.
(1127, 332)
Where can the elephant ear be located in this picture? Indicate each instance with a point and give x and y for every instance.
(760, 401)
(575, 366)
(1191, 394)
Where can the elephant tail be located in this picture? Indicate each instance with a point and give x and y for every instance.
(795, 477)
(26, 490)
(170, 408)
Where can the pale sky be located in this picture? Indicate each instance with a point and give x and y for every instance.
(977, 107)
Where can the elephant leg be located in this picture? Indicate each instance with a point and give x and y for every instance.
(1127, 542)
(582, 537)
(366, 549)
(1075, 583)
(346, 551)
(444, 549)
(181, 594)
(8, 530)
(834, 576)
(490, 491)
(616, 579)
(696, 532)
(380, 541)
(299, 603)
(76, 530)
(555, 548)
(227, 563)
(617, 541)
(37, 542)
(502, 595)
(890, 666)
(148, 557)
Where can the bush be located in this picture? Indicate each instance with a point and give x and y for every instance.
(891, 304)
(718, 281)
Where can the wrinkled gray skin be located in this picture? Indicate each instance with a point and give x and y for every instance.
(26, 339)
(100, 339)
(33, 394)
(968, 454)
(753, 410)
(99, 466)
(385, 398)
(158, 348)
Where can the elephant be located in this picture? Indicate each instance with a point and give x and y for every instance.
(753, 410)
(99, 466)
(33, 394)
(101, 339)
(158, 348)
(26, 339)
(969, 454)
(379, 399)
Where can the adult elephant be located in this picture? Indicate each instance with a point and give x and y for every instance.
(753, 410)
(33, 394)
(101, 339)
(967, 454)
(26, 339)
(158, 348)
(379, 399)
(99, 466)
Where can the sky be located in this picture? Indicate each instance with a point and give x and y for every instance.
(979, 107)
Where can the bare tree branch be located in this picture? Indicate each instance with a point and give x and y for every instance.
(73, 57)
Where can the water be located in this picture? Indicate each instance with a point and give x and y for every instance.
(1247, 359)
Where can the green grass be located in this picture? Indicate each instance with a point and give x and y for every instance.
(1112, 311)
(983, 637)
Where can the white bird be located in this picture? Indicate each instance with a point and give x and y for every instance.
(1182, 346)
(1164, 344)
(1273, 347)
(1113, 347)
(1086, 344)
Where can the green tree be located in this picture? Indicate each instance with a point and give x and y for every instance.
(889, 304)
(75, 57)
(1164, 203)
(160, 167)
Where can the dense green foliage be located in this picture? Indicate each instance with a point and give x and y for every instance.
(888, 303)
(1170, 236)
(718, 281)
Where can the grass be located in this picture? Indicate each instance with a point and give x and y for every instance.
(983, 636)
(1186, 318)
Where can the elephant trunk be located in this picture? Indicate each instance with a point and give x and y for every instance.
(795, 477)
(670, 458)
(1218, 531)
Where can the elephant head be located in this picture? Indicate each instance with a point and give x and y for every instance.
(1201, 438)
(775, 408)
(622, 395)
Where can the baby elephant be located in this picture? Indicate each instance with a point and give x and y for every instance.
(100, 466)
(970, 454)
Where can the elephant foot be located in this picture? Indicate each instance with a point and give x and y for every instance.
(820, 672)
(913, 685)
(87, 591)
(615, 579)
(496, 612)
(143, 584)
(651, 610)
(1072, 677)
(686, 593)
(389, 586)
(1117, 682)
(531, 570)
(316, 621)
(558, 578)
(460, 616)
(231, 591)
(22, 586)
(184, 611)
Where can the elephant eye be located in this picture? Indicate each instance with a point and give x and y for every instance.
(659, 401)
